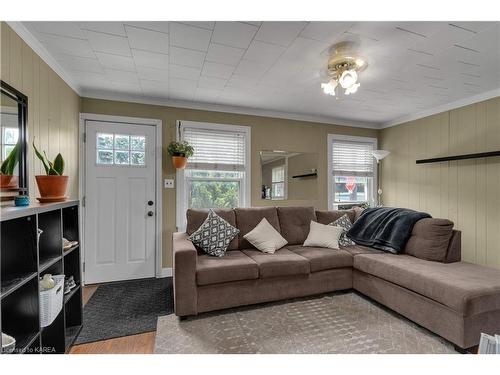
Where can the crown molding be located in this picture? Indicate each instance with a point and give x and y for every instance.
(443, 108)
(41, 51)
(104, 95)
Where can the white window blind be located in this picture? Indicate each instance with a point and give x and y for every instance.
(216, 149)
(351, 158)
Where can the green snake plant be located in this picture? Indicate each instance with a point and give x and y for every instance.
(52, 168)
(10, 162)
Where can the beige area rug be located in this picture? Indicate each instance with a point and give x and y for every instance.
(332, 323)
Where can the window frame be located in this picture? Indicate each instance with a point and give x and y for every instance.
(282, 182)
(182, 184)
(372, 188)
(113, 149)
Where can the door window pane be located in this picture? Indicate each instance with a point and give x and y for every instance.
(137, 158)
(122, 142)
(105, 141)
(104, 157)
(121, 149)
(137, 143)
(122, 157)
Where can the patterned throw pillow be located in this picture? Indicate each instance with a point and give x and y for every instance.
(214, 235)
(345, 223)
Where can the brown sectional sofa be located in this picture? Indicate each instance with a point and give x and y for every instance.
(454, 299)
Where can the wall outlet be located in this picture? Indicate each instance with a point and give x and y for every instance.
(168, 183)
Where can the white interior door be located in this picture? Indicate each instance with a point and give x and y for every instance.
(120, 207)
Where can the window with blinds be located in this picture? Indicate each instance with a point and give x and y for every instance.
(215, 149)
(350, 158)
(353, 170)
(217, 174)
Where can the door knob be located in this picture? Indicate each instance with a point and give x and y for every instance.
(150, 203)
(150, 213)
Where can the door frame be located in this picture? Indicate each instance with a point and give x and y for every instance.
(157, 123)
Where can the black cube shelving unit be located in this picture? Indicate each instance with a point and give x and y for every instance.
(31, 245)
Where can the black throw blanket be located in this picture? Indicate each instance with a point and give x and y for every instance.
(385, 228)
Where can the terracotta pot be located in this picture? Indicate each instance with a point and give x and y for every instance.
(52, 186)
(179, 161)
(5, 181)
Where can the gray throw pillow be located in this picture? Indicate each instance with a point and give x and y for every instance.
(214, 235)
(346, 224)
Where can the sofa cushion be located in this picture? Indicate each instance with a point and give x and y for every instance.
(234, 266)
(466, 288)
(196, 217)
(248, 218)
(345, 223)
(214, 235)
(430, 239)
(295, 223)
(326, 217)
(321, 235)
(282, 263)
(321, 258)
(358, 249)
(265, 238)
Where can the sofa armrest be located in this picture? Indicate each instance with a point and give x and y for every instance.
(454, 253)
(185, 291)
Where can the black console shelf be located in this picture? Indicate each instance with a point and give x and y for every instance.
(31, 246)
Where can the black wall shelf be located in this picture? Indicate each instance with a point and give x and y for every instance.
(305, 175)
(460, 157)
(23, 259)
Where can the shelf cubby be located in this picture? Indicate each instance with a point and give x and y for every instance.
(53, 336)
(19, 253)
(50, 240)
(72, 265)
(74, 316)
(24, 258)
(20, 315)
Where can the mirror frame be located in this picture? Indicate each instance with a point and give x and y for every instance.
(22, 107)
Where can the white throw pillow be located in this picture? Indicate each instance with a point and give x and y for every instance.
(321, 235)
(265, 238)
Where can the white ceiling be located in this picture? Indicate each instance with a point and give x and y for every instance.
(275, 66)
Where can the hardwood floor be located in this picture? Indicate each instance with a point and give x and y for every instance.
(143, 343)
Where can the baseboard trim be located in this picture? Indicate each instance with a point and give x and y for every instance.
(165, 272)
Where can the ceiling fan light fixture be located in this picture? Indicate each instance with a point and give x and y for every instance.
(343, 68)
(352, 89)
(329, 87)
(348, 78)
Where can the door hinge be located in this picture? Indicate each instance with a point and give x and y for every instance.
(84, 137)
(83, 266)
(83, 201)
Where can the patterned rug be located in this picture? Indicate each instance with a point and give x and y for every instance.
(126, 308)
(333, 323)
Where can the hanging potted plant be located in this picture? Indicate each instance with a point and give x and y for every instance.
(7, 168)
(52, 186)
(180, 152)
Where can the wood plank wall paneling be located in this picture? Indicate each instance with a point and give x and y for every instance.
(53, 107)
(465, 191)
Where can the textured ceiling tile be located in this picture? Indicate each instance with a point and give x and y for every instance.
(234, 34)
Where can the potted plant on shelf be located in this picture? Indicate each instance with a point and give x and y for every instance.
(52, 186)
(7, 168)
(180, 152)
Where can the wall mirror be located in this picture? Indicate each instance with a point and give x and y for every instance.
(289, 175)
(13, 143)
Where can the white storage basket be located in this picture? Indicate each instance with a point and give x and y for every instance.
(51, 301)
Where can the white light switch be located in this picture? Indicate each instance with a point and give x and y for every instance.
(168, 183)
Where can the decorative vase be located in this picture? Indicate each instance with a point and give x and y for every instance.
(5, 181)
(179, 161)
(52, 188)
